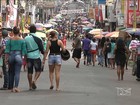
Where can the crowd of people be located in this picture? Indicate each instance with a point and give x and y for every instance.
(29, 51)
(108, 52)
(15, 49)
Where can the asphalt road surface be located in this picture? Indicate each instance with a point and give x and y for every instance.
(86, 85)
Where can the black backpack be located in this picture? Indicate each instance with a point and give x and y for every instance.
(108, 47)
(39, 43)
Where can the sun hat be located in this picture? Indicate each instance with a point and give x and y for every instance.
(65, 55)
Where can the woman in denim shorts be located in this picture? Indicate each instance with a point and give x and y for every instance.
(54, 60)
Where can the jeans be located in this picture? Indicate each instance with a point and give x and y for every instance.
(88, 55)
(5, 73)
(138, 69)
(15, 64)
(89, 58)
(100, 59)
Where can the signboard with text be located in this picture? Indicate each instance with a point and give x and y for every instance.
(130, 12)
(101, 1)
(64, 12)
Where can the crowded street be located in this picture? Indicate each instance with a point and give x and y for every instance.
(69, 52)
(86, 85)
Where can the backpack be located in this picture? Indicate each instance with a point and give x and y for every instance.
(39, 43)
(108, 47)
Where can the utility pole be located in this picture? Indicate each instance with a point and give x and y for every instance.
(134, 12)
(18, 12)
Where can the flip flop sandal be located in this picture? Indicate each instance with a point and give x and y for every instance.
(34, 85)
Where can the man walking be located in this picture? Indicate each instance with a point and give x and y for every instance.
(33, 57)
(86, 48)
(4, 39)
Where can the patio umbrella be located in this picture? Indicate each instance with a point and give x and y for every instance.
(115, 35)
(130, 30)
(53, 23)
(90, 25)
(112, 33)
(58, 16)
(98, 36)
(48, 25)
(83, 18)
(52, 20)
(104, 33)
(39, 26)
(133, 44)
(86, 22)
(48, 31)
(40, 34)
(96, 31)
(137, 32)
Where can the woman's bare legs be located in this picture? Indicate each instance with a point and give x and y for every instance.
(118, 72)
(93, 59)
(51, 74)
(57, 76)
(122, 72)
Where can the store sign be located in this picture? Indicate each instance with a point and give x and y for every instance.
(101, 1)
(64, 12)
(130, 12)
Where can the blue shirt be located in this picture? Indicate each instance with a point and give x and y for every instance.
(86, 44)
(32, 47)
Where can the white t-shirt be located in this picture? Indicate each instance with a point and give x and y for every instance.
(93, 45)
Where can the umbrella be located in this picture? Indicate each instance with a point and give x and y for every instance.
(130, 30)
(83, 18)
(115, 35)
(87, 28)
(96, 31)
(133, 44)
(90, 25)
(39, 26)
(48, 31)
(137, 32)
(48, 25)
(112, 33)
(104, 33)
(58, 16)
(98, 36)
(86, 22)
(52, 20)
(53, 23)
(40, 34)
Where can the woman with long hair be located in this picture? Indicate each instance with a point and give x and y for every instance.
(120, 57)
(103, 45)
(54, 47)
(15, 49)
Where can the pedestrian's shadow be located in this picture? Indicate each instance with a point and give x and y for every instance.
(54, 92)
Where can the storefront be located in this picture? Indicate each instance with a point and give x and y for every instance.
(130, 12)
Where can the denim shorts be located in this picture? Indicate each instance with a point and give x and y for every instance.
(54, 59)
(33, 64)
